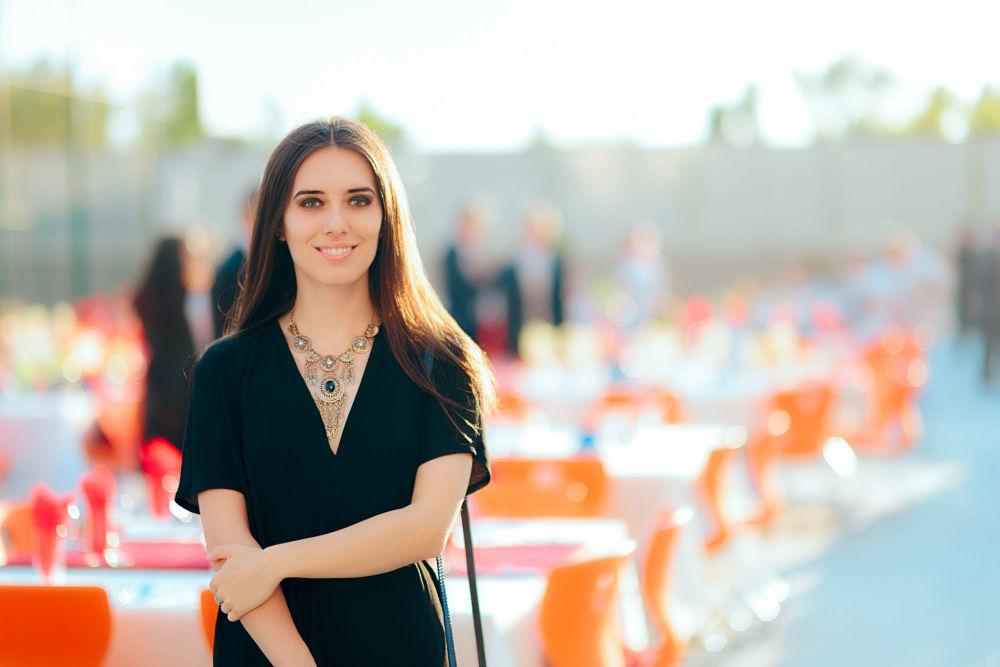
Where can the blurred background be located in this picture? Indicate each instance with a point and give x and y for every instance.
(737, 267)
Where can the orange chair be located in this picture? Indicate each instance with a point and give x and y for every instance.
(797, 426)
(712, 486)
(670, 406)
(16, 531)
(898, 370)
(809, 409)
(578, 619)
(511, 407)
(656, 590)
(209, 612)
(634, 401)
(762, 458)
(54, 625)
(544, 487)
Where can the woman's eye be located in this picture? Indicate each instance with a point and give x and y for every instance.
(311, 202)
(360, 201)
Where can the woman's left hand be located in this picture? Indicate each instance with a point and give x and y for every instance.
(245, 579)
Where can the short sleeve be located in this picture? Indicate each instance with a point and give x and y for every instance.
(440, 437)
(208, 456)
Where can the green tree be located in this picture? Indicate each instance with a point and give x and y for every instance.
(48, 107)
(984, 119)
(389, 131)
(170, 112)
(942, 117)
(736, 124)
(846, 98)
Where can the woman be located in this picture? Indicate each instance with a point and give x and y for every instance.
(159, 302)
(335, 430)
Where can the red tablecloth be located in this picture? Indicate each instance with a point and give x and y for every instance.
(145, 555)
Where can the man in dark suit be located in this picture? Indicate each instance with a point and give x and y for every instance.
(466, 269)
(989, 305)
(226, 285)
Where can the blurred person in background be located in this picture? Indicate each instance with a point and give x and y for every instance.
(642, 274)
(334, 433)
(989, 305)
(159, 303)
(226, 283)
(965, 293)
(533, 281)
(467, 268)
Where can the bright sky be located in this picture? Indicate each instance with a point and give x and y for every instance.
(467, 75)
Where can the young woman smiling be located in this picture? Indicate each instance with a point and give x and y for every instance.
(334, 432)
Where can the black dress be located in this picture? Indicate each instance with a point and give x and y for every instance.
(253, 427)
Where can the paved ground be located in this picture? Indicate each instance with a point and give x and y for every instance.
(920, 585)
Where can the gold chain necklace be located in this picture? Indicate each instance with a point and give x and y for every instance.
(327, 376)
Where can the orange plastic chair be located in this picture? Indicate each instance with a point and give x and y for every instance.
(209, 612)
(670, 406)
(898, 370)
(16, 531)
(808, 408)
(712, 485)
(656, 590)
(54, 625)
(634, 402)
(762, 458)
(544, 488)
(578, 619)
(511, 407)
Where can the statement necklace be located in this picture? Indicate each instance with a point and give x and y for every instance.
(327, 376)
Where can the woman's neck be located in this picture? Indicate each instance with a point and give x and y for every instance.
(332, 315)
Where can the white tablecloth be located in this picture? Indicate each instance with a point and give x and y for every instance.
(156, 617)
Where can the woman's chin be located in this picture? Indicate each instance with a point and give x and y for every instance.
(339, 277)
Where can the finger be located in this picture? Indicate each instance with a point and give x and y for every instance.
(225, 608)
(233, 617)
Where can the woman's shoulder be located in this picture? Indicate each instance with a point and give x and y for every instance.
(230, 352)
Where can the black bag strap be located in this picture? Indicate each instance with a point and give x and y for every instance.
(477, 621)
(470, 566)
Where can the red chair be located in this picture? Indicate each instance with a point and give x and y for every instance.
(161, 463)
(54, 625)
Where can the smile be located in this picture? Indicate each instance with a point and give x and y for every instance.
(336, 254)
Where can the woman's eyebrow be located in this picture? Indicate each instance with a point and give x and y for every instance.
(351, 191)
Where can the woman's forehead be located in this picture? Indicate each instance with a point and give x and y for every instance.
(335, 168)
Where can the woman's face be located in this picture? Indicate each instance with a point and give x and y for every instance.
(333, 218)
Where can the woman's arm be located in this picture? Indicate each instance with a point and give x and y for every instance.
(380, 544)
(388, 541)
(224, 521)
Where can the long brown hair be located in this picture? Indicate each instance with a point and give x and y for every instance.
(413, 317)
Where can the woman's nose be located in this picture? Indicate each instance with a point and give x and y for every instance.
(335, 222)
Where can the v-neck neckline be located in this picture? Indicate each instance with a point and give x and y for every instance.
(303, 389)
